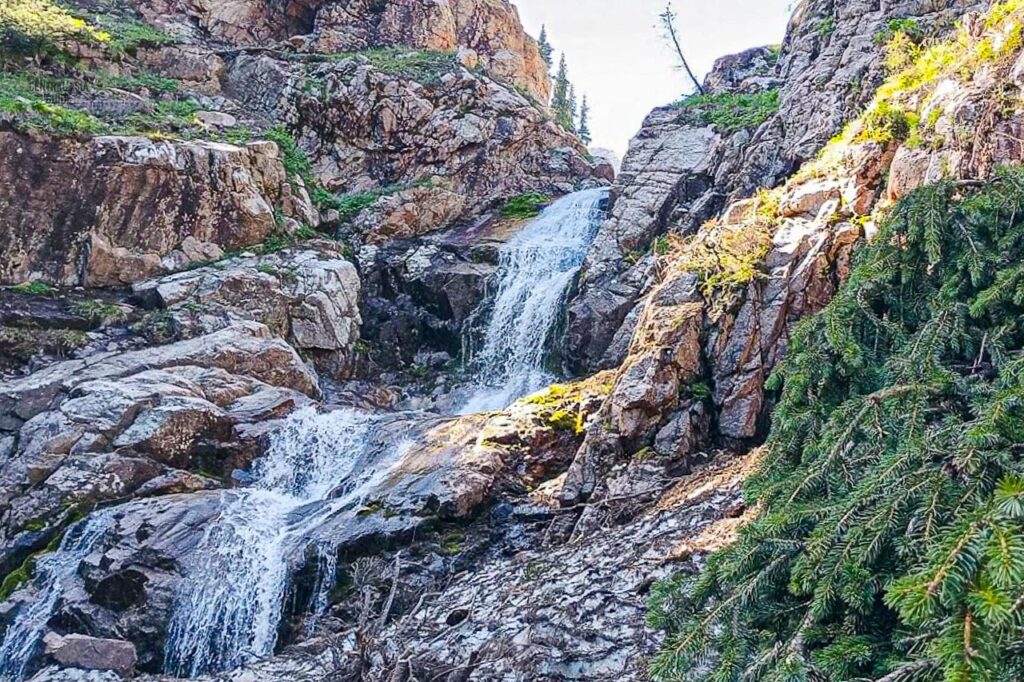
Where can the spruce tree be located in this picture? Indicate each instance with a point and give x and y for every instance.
(889, 539)
(584, 127)
(572, 110)
(546, 51)
(560, 97)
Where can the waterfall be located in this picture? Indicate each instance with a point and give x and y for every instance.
(230, 604)
(55, 574)
(536, 269)
(228, 610)
(326, 577)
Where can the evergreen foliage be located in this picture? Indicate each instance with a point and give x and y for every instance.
(729, 111)
(560, 97)
(546, 51)
(889, 540)
(584, 127)
(572, 110)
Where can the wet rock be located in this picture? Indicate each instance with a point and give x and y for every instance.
(564, 612)
(55, 674)
(109, 427)
(419, 296)
(89, 653)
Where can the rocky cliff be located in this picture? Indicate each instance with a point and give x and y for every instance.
(238, 297)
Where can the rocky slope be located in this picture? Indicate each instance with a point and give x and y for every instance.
(516, 545)
(682, 170)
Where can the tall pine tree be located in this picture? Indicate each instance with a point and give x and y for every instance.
(572, 109)
(546, 51)
(560, 98)
(584, 127)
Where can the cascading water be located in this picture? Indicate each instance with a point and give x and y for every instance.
(229, 607)
(312, 469)
(54, 574)
(536, 270)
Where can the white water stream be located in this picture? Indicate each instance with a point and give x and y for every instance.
(229, 609)
(536, 269)
(54, 573)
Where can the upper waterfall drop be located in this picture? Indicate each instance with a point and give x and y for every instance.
(536, 269)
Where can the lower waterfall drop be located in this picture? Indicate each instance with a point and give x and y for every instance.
(230, 607)
(536, 269)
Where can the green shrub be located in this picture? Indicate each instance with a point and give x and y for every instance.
(524, 206)
(143, 80)
(295, 161)
(908, 26)
(33, 288)
(41, 26)
(889, 535)
(97, 311)
(127, 34)
(350, 206)
(729, 111)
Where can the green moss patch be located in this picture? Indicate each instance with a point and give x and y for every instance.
(524, 206)
(423, 66)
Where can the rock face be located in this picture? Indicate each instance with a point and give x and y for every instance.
(676, 172)
(452, 469)
(668, 393)
(84, 432)
(487, 32)
(367, 128)
(115, 210)
(308, 296)
(515, 545)
(88, 653)
(827, 70)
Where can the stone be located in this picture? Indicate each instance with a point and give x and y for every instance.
(502, 146)
(90, 653)
(409, 213)
(307, 295)
(216, 119)
(486, 33)
(808, 198)
(670, 176)
(910, 169)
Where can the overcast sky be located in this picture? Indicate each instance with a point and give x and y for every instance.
(616, 54)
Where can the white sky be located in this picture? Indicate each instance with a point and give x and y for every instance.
(617, 56)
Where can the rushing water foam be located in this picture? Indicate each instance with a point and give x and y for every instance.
(536, 269)
(54, 575)
(220, 623)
